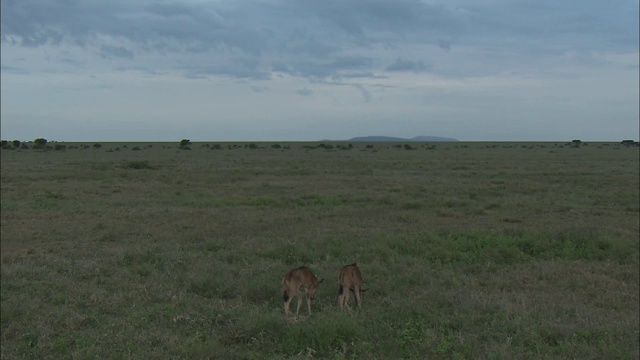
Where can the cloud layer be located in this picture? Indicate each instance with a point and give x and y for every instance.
(459, 46)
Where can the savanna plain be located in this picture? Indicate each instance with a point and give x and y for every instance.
(467, 250)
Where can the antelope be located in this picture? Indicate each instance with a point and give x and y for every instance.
(350, 279)
(296, 282)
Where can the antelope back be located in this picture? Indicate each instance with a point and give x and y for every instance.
(350, 276)
(301, 278)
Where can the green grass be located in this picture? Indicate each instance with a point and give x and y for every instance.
(468, 250)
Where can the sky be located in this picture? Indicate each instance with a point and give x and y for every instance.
(304, 70)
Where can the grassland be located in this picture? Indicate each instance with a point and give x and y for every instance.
(469, 250)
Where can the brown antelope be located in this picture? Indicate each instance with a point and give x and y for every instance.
(297, 282)
(350, 279)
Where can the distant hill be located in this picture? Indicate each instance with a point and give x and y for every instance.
(397, 139)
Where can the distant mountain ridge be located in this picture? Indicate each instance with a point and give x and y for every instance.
(396, 139)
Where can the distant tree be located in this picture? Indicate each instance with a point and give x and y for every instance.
(40, 143)
(7, 145)
(16, 144)
(97, 146)
(184, 144)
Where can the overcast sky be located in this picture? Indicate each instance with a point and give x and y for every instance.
(276, 70)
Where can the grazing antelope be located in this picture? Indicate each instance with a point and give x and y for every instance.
(296, 282)
(350, 279)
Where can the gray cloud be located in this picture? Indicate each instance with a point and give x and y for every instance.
(444, 44)
(13, 69)
(401, 64)
(259, 89)
(116, 51)
(314, 38)
(304, 92)
(365, 93)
